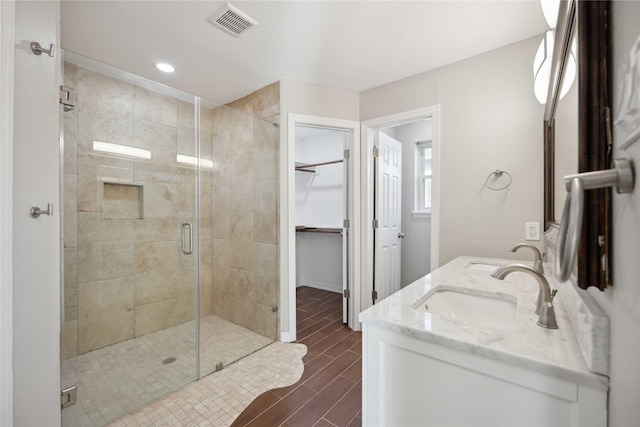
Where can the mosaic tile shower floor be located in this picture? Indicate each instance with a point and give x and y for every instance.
(119, 379)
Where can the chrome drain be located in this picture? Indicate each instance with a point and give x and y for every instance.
(168, 360)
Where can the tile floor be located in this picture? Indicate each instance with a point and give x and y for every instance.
(118, 379)
(216, 400)
(315, 384)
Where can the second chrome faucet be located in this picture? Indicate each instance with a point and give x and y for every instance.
(544, 305)
(537, 263)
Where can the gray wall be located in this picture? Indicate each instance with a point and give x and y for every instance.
(566, 147)
(490, 119)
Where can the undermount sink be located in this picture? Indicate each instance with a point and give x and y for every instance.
(481, 265)
(469, 306)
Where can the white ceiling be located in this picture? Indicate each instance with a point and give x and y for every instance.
(353, 45)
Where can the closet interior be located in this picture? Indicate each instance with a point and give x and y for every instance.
(321, 207)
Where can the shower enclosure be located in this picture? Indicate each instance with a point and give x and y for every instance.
(169, 237)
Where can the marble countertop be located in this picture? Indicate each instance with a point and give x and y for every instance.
(521, 343)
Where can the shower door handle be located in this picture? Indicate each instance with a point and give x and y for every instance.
(187, 250)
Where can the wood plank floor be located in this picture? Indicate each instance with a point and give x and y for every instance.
(330, 390)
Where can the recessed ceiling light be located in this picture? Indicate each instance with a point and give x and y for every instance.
(163, 66)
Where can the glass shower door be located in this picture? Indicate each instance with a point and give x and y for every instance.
(130, 242)
(238, 217)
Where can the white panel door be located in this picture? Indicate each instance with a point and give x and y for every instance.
(388, 210)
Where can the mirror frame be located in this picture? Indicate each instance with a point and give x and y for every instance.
(594, 141)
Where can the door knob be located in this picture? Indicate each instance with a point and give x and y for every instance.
(400, 235)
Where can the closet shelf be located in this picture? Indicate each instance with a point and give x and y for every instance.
(328, 230)
(302, 167)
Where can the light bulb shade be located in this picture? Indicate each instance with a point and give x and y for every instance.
(550, 10)
(542, 69)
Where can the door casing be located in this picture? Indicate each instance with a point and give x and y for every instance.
(288, 274)
(369, 128)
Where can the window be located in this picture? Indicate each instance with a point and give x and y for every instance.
(423, 178)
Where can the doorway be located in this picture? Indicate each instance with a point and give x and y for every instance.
(400, 172)
(321, 189)
(322, 209)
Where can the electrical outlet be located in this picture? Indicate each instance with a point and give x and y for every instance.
(532, 231)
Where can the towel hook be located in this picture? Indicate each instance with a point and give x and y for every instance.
(39, 50)
(498, 173)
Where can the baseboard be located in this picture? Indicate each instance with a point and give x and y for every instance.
(323, 286)
(286, 337)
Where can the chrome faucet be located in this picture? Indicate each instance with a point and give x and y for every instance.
(544, 305)
(537, 264)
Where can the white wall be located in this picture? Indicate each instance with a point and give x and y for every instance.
(416, 245)
(7, 37)
(319, 195)
(621, 301)
(313, 100)
(490, 119)
(36, 242)
(319, 261)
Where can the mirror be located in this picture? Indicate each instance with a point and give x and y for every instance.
(563, 151)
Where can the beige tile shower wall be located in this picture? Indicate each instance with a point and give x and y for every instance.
(126, 278)
(244, 201)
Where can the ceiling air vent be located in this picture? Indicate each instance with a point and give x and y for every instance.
(232, 20)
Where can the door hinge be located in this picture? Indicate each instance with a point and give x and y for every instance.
(375, 152)
(374, 223)
(68, 397)
(346, 294)
(374, 295)
(347, 152)
(345, 223)
(68, 97)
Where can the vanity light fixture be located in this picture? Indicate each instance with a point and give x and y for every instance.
(121, 150)
(542, 69)
(164, 67)
(193, 161)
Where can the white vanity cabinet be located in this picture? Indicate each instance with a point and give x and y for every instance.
(435, 367)
(412, 382)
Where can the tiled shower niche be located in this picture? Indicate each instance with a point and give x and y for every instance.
(122, 201)
(126, 277)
